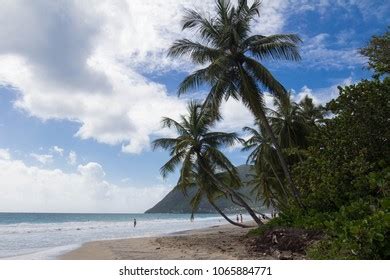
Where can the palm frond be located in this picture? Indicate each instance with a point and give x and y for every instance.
(215, 97)
(263, 75)
(202, 25)
(250, 93)
(244, 16)
(195, 202)
(220, 160)
(187, 176)
(171, 164)
(217, 139)
(278, 47)
(223, 10)
(164, 143)
(198, 52)
(169, 123)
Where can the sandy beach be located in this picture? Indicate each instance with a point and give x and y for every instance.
(218, 242)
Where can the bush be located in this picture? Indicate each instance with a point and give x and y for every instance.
(359, 231)
(344, 179)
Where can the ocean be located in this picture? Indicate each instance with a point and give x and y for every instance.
(47, 235)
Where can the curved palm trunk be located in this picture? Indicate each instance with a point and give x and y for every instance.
(262, 117)
(226, 217)
(226, 189)
(279, 181)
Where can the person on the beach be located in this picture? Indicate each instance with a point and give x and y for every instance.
(241, 218)
(135, 222)
(238, 220)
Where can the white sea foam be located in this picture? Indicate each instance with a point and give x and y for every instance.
(48, 240)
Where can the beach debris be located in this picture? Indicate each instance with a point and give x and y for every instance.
(274, 239)
(283, 243)
(286, 255)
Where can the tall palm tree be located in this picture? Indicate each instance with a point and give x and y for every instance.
(196, 149)
(233, 56)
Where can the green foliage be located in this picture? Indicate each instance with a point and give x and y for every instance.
(362, 121)
(349, 150)
(378, 53)
(341, 165)
(231, 57)
(195, 149)
(345, 177)
(259, 231)
(266, 181)
(358, 231)
(289, 122)
(292, 124)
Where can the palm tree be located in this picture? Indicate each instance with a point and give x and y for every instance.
(313, 114)
(207, 189)
(288, 123)
(233, 61)
(267, 180)
(196, 149)
(292, 124)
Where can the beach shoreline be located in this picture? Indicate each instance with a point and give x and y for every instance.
(215, 242)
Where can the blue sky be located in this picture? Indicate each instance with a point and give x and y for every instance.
(84, 85)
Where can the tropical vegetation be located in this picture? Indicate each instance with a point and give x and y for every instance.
(196, 149)
(322, 167)
(233, 57)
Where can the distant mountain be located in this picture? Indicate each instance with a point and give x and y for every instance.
(176, 202)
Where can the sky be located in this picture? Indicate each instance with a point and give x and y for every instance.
(84, 85)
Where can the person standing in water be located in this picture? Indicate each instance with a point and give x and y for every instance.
(135, 222)
(241, 218)
(238, 220)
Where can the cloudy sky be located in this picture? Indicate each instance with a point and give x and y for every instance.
(84, 84)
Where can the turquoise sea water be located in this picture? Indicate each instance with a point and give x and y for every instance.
(47, 235)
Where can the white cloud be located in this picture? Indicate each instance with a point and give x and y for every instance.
(92, 170)
(318, 54)
(57, 150)
(322, 95)
(42, 158)
(4, 154)
(306, 91)
(33, 189)
(72, 158)
(368, 8)
(236, 116)
(83, 62)
(126, 180)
